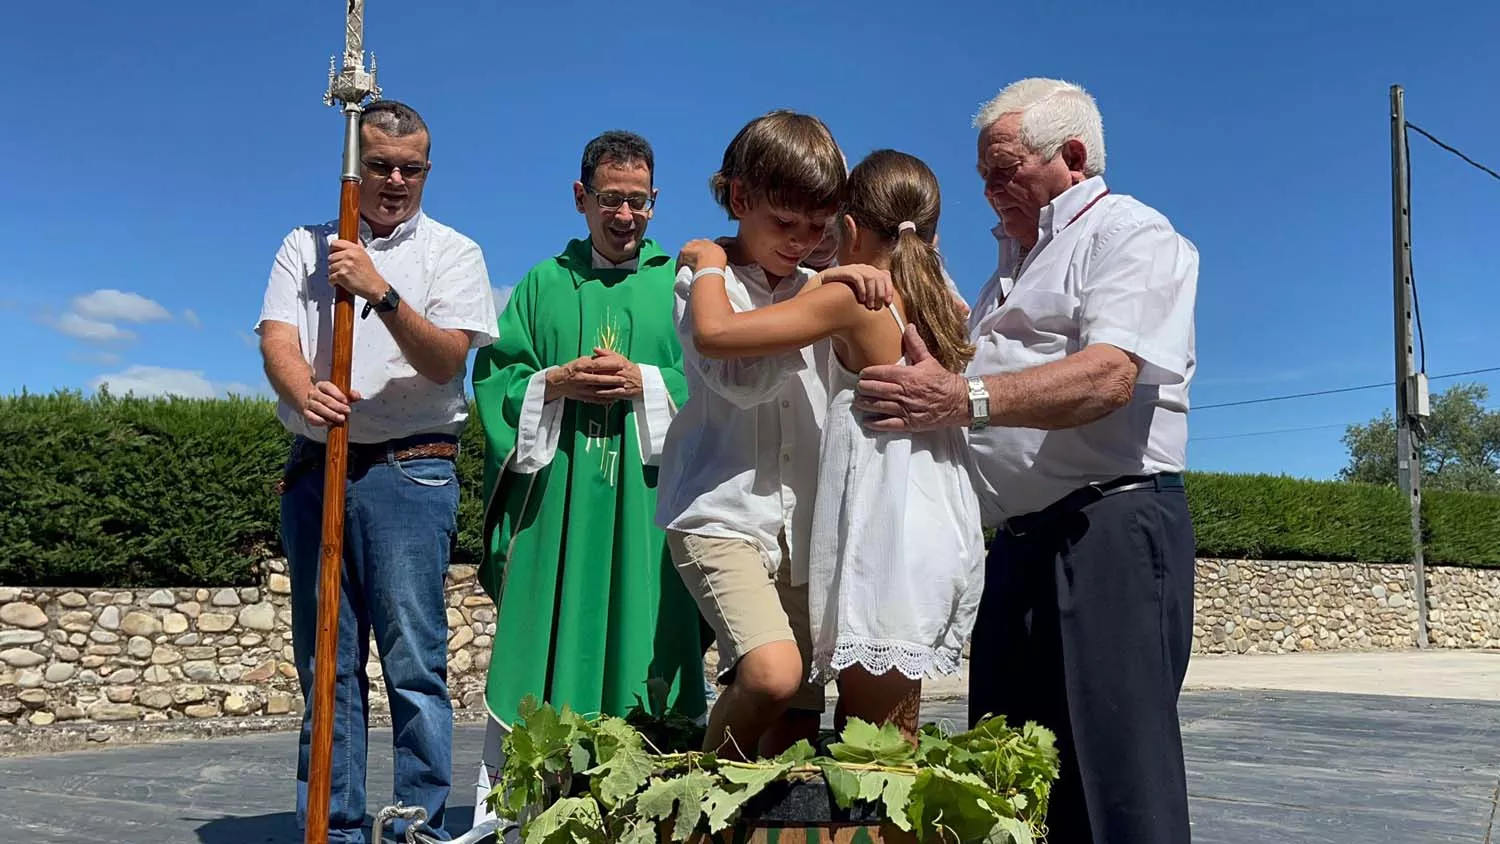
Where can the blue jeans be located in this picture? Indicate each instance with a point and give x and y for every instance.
(399, 524)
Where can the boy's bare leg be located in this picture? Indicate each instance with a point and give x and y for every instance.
(793, 726)
(765, 680)
(888, 697)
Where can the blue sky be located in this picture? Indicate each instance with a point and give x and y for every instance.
(163, 149)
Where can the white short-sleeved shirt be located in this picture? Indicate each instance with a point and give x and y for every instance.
(438, 272)
(1105, 269)
(741, 457)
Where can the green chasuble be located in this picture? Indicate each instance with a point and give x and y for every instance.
(589, 604)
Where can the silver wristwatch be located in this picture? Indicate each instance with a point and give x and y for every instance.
(979, 405)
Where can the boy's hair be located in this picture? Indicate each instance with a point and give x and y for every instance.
(885, 190)
(787, 159)
(618, 147)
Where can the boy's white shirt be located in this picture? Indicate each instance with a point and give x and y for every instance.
(741, 457)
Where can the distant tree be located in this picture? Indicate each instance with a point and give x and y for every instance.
(1461, 449)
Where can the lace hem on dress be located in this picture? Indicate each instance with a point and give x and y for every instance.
(878, 656)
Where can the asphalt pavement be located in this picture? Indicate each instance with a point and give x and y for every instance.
(1264, 767)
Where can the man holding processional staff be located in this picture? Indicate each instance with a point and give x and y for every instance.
(426, 301)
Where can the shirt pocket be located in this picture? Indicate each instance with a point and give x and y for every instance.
(1044, 312)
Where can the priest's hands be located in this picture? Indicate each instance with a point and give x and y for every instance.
(601, 378)
(613, 363)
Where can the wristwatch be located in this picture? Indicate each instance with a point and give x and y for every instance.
(979, 405)
(384, 305)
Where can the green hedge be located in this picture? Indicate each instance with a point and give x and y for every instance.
(121, 492)
(1279, 518)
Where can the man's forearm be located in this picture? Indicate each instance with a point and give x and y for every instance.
(1079, 389)
(288, 371)
(435, 353)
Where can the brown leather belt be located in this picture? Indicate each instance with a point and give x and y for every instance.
(362, 456)
(376, 453)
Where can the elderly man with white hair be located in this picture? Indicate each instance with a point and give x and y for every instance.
(1077, 402)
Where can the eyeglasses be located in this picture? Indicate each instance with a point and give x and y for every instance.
(409, 172)
(611, 200)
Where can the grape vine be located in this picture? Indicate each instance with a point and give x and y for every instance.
(577, 780)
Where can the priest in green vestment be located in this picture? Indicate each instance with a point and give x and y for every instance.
(575, 399)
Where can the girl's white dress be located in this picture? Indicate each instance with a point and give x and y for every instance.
(896, 559)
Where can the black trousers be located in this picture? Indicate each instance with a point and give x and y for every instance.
(1085, 627)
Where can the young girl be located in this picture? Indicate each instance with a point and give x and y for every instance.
(895, 564)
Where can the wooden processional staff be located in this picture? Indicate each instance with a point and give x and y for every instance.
(347, 89)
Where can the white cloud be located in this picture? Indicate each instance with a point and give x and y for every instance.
(118, 306)
(156, 381)
(502, 295)
(92, 330)
(191, 318)
(147, 381)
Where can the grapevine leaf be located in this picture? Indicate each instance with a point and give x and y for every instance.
(961, 803)
(746, 783)
(578, 758)
(571, 820)
(798, 754)
(684, 796)
(658, 692)
(617, 780)
(1009, 831)
(639, 832)
(863, 742)
(933, 748)
(990, 784)
(724, 803)
(612, 735)
(528, 708)
(892, 789)
(842, 783)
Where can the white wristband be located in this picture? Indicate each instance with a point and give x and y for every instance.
(718, 271)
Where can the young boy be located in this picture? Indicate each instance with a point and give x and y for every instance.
(740, 462)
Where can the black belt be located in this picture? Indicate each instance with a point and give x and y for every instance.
(1086, 495)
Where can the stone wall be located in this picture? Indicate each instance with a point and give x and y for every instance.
(179, 655)
(1247, 606)
(153, 655)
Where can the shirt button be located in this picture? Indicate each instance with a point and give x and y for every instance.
(785, 403)
(786, 458)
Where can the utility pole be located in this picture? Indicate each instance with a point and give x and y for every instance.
(1411, 386)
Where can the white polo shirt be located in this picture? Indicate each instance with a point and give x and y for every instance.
(1105, 269)
(438, 272)
(741, 457)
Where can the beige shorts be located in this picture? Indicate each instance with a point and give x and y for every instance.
(745, 606)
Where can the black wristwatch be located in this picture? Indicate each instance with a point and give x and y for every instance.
(385, 304)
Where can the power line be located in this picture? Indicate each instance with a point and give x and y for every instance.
(1337, 390)
(1433, 138)
(1268, 433)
